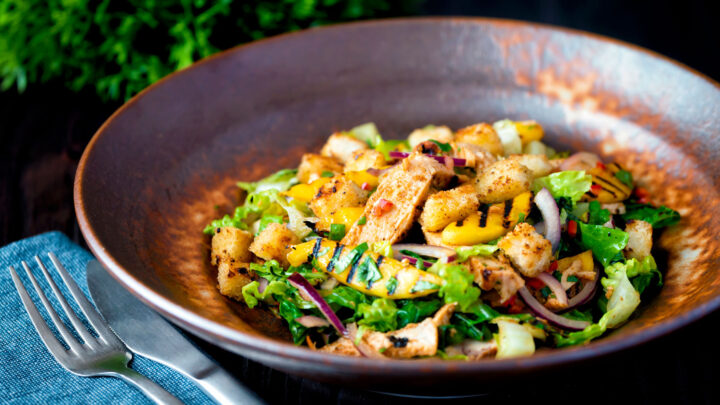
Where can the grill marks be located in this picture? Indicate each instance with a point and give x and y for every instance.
(608, 186)
(506, 213)
(483, 210)
(336, 254)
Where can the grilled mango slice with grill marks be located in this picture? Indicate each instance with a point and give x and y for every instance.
(489, 223)
(364, 270)
(606, 188)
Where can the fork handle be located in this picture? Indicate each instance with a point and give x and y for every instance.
(152, 390)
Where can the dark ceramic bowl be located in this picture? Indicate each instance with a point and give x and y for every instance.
(166, 163)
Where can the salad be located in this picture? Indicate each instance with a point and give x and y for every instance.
(474, 244)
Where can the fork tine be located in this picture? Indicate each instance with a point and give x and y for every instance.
(67, 336)
(77, 324)
(51, 342)
(101, 327)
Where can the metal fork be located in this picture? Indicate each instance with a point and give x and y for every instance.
(103, 356)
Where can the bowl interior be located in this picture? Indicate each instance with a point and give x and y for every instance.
(167, 162)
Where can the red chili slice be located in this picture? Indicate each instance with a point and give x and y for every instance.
(572, 228)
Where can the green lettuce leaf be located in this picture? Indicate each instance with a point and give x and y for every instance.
(381, 315)
(252, 294)
(280, 181)
(658, 217)
(413, 311)
(458, 286)
(367, 133)
(465, 252)
(605, 243)
(385, 147)
(569, 183)
(596, 214)
(290, 313)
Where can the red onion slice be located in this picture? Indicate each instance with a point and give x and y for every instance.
(580, 161)
(555, 319)
(412, 260)
(586, 294)
(437, 252)
(310, 321)
(551, 216)
(262, 285)
(555, 287)
(441, 159)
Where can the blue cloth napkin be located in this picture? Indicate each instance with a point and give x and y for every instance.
(28, 372)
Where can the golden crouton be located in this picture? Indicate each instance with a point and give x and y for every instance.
(339, 192)
(232, 277)
(363, 160)
(539, 165)
(448, 206)
(313, 166)
(528, 251)
(274, 242)
(502, 181)
(441, 134)
(231, 244)
(483, 135)
(639, 239)
(342, 146)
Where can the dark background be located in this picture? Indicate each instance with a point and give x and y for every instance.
(44, 131)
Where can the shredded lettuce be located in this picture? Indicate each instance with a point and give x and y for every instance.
(624, 298)
(290, 313)
(385, 147)
(606, 243)
(458, 286)
(367, 133)
(642, 273)
(252, 295)
(413, 311)
(465, 252)
(570, 183)
(622, 302)
(381, 315)
(280, 181)
(658, 217)
(256, 205)
(513, 340)
(596, 214)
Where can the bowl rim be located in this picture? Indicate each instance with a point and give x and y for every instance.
(230, 337)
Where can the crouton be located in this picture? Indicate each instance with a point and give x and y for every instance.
(313, 166)
(342, 146)
(529, 252)
(274, 242)
(363, 160)
(496, 273)
(339, 192)
(639, 239)
(475, 156)
(232, 277)
(232, 245)
(483, 135)
(448, 206)
(502, 181)
(441, 134)
(539, 165)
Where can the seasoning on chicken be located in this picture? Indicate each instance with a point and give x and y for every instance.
(406, 187)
